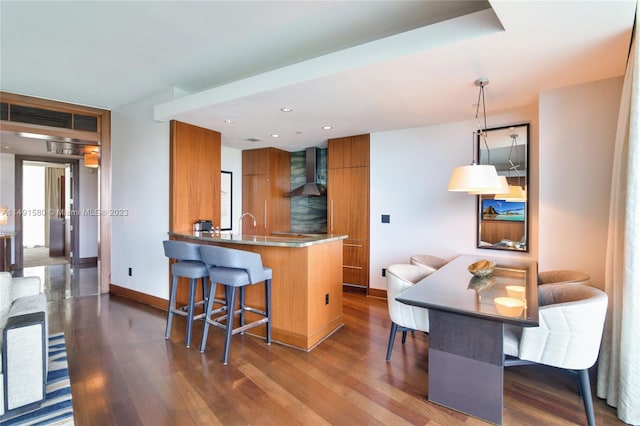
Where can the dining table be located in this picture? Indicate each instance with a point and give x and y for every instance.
(468, 315)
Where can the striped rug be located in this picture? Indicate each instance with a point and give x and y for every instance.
(56, 408)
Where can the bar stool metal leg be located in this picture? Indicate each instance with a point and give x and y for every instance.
(208, 311)
(231, 299)
(267, 308)
(241, 305)
(192, 300)
(172, 304)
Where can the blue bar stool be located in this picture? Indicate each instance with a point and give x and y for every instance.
(234, 269)
(188, 265)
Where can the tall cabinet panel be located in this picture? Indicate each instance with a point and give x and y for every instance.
(194, 182)
(348, 199)
(266, 178)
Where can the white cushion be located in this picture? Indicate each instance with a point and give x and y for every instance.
(511, 341)
(399, 278)
(5, 296)
(570, 327)
(26, 286)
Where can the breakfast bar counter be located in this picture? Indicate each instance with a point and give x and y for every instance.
(306, 285)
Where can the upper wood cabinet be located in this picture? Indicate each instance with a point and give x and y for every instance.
(194, 181)
(348, 198)
(348, 204)
(350, 151)
(266, 178)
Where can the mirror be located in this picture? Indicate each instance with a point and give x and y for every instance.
(503, 219)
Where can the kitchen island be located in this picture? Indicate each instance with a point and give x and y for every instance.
(306, 287)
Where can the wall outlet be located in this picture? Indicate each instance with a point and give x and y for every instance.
(384, 272)
(326, 299)
(130, 272)
(386, 218)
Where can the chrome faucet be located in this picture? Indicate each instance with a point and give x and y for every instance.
(242, 217)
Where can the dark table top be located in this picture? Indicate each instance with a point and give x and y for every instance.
(453, 288)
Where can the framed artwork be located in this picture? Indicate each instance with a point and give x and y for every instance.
(502, 224)
(225, 200)
(513, 211)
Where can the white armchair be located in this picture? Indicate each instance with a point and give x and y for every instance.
(571, 317)
(23, 339)
(431, 263)
(404, 317)
(562, 276)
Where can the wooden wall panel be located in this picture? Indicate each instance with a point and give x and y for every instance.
(350, 151)
(194, 183)
(348, 203)
(194, 192)
(266, 178)
(494, 231)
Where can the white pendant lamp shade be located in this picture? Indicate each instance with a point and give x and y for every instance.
(515, 193)
(503, 188)
(477, 178)
(474, 178)
(91, 159)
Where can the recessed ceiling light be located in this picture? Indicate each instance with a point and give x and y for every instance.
(327, 127)
(229, 121)
(275, 135)
(286, 109)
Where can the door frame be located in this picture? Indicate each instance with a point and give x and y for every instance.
(103, 138)
(19, 188)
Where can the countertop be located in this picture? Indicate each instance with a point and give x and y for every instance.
(298, 240)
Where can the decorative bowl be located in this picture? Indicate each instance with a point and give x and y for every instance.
(482, 268)
(480, 284)
(515, 291)
(509, 306)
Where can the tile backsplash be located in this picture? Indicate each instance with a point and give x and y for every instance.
(308, 214)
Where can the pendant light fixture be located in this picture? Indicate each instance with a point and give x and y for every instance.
(91, 159)
(513, 192)
(476, 178)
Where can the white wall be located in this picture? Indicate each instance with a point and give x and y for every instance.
(88, 181)
(140, 186)
(410, 170)
(33, 229)
(571, 156)
(7, 194)
(232, 162)
(7, 188)
(577, 136)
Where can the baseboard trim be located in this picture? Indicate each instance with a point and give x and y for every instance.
(147, 299)
(163, 304)
(376, 292)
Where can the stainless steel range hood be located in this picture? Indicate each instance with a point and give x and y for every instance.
(311, 188)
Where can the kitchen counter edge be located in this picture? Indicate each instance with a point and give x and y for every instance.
(258, 240)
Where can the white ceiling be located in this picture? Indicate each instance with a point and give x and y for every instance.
(359, 66)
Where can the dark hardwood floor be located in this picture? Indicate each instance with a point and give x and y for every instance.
(123, 372)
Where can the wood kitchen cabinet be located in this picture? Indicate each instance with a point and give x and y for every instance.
(266, 178)
(194, 183)
(348, 204)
